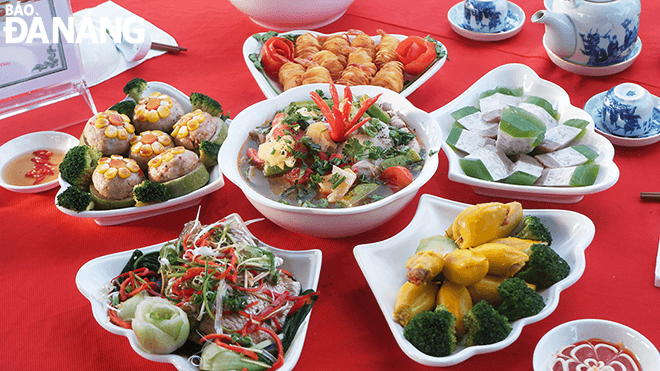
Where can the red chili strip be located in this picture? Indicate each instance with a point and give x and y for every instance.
(280, 349)
(238, 349)
(114, 318)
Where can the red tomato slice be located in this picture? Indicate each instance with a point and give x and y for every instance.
(275, 52)
(397, 177)
(416, 53)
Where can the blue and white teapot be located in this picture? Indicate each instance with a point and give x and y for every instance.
(590, 32)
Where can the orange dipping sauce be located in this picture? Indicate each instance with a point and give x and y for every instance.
(33, 168)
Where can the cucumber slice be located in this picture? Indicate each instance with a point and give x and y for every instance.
(208, 154)
(406, 159)
(358, 194)
(102, 203)
(192, 181)
(438, 243)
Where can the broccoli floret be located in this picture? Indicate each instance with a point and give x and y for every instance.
(534, 229)
(544, 268)
(519, 300)
(208, 153)
(433, 332)
(149, 192)
(125, 107)
(207, 104)
(75, 199)
(135, 88)
(78, 165)
(484, 325)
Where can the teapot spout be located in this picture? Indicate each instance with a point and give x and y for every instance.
(560, 32)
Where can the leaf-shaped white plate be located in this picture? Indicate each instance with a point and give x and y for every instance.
(516, 76)
(96, 273)
(383, 266)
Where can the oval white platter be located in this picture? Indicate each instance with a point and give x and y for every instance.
(271, 87)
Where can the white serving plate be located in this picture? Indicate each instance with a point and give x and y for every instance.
(382, 264)
(118, 216)
(513, 23)
(93, 275)
(49, 140)
(519, 75)
(584, 329)
(328, 222)
(271, 88)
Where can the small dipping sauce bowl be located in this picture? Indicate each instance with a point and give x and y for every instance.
(628, 110)
(488, 16)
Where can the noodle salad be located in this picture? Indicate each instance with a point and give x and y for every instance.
(213, 294)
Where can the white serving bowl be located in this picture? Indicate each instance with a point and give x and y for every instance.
(515, 76)
(584, 329)
(49, 140)
(328, 223)
(94, 275)
(383, 266)
(284, 15)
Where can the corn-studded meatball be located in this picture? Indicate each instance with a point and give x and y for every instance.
(110, 132)
(193, 128)
(157, 112)
(115, 177)
(149, 144)
(171, 164)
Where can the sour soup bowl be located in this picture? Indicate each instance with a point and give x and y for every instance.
(334, 222)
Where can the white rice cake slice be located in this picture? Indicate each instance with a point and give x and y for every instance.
(574, 176)
(467, 141)
(491, 106)
(541, 113)
(476, 124)
(488, 163)
(525, 171)
(557, 138)
(571, 156)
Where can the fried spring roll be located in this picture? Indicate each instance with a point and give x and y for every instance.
(290, 75)
(386, 49)
(390, 76)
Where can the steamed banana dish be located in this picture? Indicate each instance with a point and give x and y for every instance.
(486, 244)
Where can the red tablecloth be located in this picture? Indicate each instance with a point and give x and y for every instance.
(46, 324)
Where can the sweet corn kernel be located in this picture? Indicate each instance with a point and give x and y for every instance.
(102, 168)
(132, 166)
(136, 147)
(164, 140)
(111, 131)
(178, 150)
(152, 116)
(154, 95)
(123, 172)
(154, 162)
(183, 132)
(163, 111)
(167, 156)
(122, 134)
(200, 118)
(146, 150)
(157, 148)
(193, 125)
(129, 128)
(111, 173)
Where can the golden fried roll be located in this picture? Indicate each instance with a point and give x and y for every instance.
(424, 266)
(412, 299)
(390, 76)
(329, 60)
(355, 74)
(458, 301)
(386, 49)
(307, 45)
(339, 45)
(316, 74)
(290, 75)
(361, 57)
(503, 260)
(362, 40)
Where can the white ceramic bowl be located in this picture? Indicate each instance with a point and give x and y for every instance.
(50, 140)
(328, 223)
(271, 87)
(383, 265)
(124, 215)
(584, 329)
(95, 274)
(514, 76)
(284, 15)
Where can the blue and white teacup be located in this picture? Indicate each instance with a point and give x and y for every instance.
(628, 110)
(487, 16)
